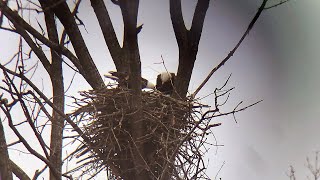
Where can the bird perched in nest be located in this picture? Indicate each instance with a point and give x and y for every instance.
(123, 78)
(165, 82)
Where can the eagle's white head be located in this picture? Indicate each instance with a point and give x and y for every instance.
(165, 77)
(150, 85)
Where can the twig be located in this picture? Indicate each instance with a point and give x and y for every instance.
(255, 18)
(277, 4)
(224, 162)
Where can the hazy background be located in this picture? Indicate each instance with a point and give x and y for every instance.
(278, 62)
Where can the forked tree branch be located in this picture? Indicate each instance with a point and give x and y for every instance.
(179, 27)
(188, 42)
(108, 32)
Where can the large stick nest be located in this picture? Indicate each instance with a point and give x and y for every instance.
(106, 117)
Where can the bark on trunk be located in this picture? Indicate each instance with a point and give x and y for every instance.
(56, 76)
(5, 170)
(129, 11)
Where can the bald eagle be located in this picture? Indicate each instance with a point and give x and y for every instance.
(123, 77)
(165, 82)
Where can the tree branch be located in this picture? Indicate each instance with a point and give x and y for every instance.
(15, 18)
(132, 63)
(91, 73)
(5, 168)
(197, 22)
(5, 2)
(18, 171)
(108, 32)
(25, 143)
(178, 25)
(75, 127)
(129, 11)
(277, 4)
(116, 2)
(37, 50)
(253, 21)
(188, 42)
(56, 77)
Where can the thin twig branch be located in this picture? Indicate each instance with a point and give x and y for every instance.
(277, 4)
(255, 18)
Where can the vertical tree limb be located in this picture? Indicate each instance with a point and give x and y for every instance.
(177, 21)
(129, 11)
(56, 76)
(5, 2)
(108, 33)
(197, 22)
(5, 169)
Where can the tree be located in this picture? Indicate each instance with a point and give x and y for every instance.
(58, 29)
(312, 167)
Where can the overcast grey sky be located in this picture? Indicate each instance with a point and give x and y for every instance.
(278, 62)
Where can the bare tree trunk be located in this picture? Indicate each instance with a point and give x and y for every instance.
(57, 120)
(129, 11)
(56, 76)
(5, 170)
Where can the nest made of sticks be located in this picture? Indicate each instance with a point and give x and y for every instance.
(106, 118)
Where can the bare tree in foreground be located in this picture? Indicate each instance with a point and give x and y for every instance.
(127, 132)
(313, 168)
